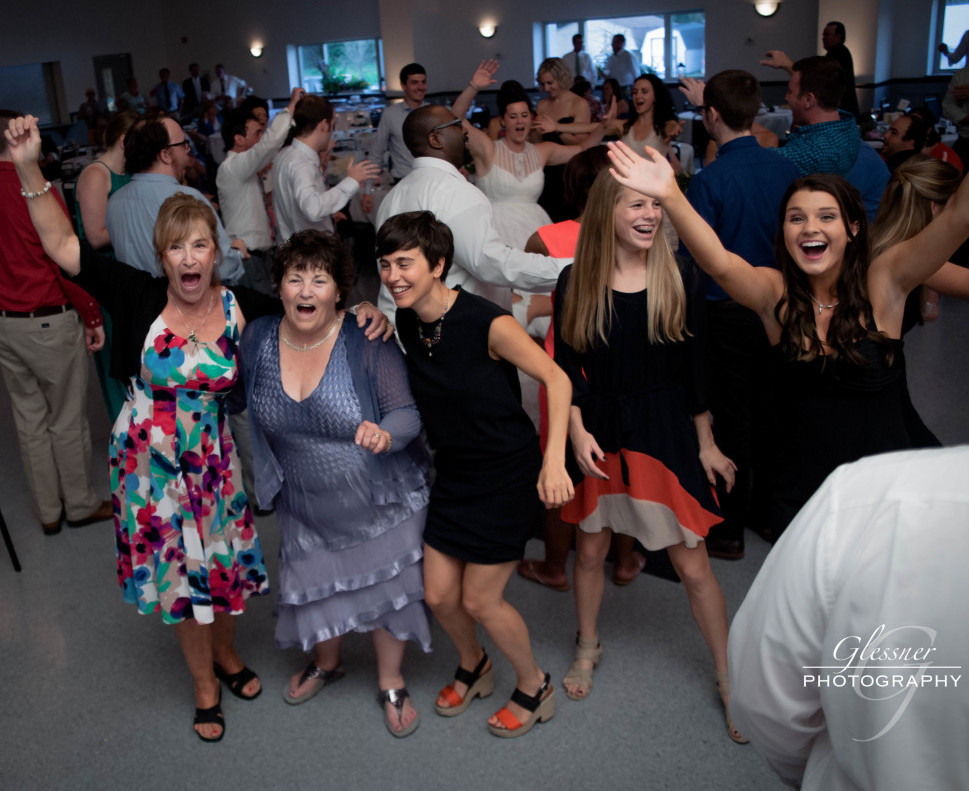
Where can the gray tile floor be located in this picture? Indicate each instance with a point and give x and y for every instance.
(94, 696)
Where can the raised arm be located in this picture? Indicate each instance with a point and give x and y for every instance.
(757, 288)
(907, 264)
(555, 154)
(52, 224)
(481, 147)
(482, 78)
(777, 59)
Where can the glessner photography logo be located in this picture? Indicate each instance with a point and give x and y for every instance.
(891, 663)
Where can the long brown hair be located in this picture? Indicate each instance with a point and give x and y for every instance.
(588, 307)
(852, 318)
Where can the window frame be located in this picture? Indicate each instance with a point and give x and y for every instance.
(294, 56)
(667, 16)
(937, 62)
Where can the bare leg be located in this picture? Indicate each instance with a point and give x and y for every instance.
(327, 657)
(224, 652)
(551, 572)
(709, 612)
(196, 642)
(443, 577)
(628, 562)
(483, 598)
(390, 654)
(590, 558)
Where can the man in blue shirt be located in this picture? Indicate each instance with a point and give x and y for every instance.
(826, 141)
(157, 152)
(738, 194)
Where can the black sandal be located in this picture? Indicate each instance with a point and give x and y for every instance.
(236, 682)
(480, 684)
(212, 716)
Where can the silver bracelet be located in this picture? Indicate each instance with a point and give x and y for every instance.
(29, 195)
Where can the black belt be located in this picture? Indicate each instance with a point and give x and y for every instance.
(51, 310)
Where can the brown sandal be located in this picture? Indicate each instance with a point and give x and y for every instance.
(588, 651)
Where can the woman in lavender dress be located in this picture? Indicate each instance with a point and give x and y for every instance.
(335, 441)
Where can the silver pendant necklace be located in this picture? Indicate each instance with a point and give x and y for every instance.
(308, 347)
(193, 333)
(829, 307)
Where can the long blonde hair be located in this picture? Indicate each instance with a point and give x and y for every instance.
(906, 205)
(588, 307)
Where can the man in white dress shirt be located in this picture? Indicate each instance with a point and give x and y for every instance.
(621, 64)
(483, 264)
(579, 62)
(228, 86)
(301, 198)
(241, 194)
(389, 142)
(847, 657)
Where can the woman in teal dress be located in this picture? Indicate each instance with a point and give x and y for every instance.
(98, 182)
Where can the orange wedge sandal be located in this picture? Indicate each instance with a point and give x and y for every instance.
(480, 683)
(541, 705)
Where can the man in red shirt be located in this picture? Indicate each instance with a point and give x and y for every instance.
(45, 323)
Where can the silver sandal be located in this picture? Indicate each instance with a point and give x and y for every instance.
(396, 698)
(312, 672)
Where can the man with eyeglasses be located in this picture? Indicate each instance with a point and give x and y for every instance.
(483, 264)
(156, 154)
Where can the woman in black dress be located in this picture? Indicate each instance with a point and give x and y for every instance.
(462, 353)
(832, 313)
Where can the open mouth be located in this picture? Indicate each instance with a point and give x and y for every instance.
(645, 231)
(304, 309)
(813, 251)
(398, 291)
(191, 280)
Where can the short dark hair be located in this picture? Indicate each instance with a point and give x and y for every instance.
(163, 71)
(142, 145)
(309, 111)
(234, 124)
(250, 103)
(420, 230)
(619, 36)
(736, 96)
(581, 86)
(839, 29)
(410, 69)
(313, 249)
(6, 116)
(916, 131)
(192, 65)
(511, 91)
(823, 77)
(577, 35)
(580, 174)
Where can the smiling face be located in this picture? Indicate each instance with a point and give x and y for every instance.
(309, 296)
(637, 221)
(643, 96)
(815, 233)
(412, 282)
(189, 263)
(415, 88)
(517, 121)
(253, 135)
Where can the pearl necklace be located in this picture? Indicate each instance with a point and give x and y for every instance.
(308, 347)
(193, 333)
(435, 339)
(829, 307)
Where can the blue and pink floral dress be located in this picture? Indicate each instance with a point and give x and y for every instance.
(185, 537)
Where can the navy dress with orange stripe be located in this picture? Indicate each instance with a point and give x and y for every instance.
(638, 400)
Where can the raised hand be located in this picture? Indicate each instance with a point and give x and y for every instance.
(652, 176)
(544, 124)
(483, 76)
(777, 59)
(692, 89)
(294, 97)
(363, 170)
(23, 140)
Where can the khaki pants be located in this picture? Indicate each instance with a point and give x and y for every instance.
(45, 370)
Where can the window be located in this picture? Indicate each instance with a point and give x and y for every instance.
(953, 22)
(668, 44)
(337, 66)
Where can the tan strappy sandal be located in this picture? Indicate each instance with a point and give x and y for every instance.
(585, 650)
